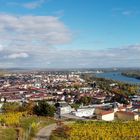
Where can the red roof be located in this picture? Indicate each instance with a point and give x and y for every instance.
(127, 113)
(38, 95)
(121, 107)
(106, 112)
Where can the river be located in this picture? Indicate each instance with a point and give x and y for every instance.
(118, 77)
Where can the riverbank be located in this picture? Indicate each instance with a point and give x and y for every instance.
(135, 75)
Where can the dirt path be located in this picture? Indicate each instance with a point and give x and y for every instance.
(45, 132)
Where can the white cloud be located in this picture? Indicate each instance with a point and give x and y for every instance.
(29, 5)
(18, 55)
(34, 35)
(33, 4)
(125, 12)
(33, 31)
(1, 47)
(126, 56)
(115, 57)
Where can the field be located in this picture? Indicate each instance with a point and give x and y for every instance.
(98, 131)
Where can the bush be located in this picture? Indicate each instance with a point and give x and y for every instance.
(44, 109)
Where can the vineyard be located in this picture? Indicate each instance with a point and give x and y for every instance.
(98, 131)
(11, 119)
(20, 125)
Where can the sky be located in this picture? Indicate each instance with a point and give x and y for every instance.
(69, 33)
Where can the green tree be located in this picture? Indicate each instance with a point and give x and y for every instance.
(44, 109)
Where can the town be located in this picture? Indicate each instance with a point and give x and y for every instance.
(74, 96)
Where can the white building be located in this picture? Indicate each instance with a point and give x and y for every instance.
(106, 116)
(64, 109)
(87, 112)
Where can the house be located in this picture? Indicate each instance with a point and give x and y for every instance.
(37, 97)
(113, 84)
(106, 115)
(137, 98)
(123, 115)
(99, 99)
(100, 109)
(14, 99)
(121, 108)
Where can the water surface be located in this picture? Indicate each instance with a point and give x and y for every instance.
(119, 77)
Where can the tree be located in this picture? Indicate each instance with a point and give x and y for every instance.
(44, 109)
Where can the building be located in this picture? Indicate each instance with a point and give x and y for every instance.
(106, 115)
(123, 115)
(87, 112)
(63, 108)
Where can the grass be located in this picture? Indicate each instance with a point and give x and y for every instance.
(35, 121)
(7, 134)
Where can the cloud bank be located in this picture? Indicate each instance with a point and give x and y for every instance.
(17, 55)
(33, 42)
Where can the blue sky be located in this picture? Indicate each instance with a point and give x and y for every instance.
(69, 33)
